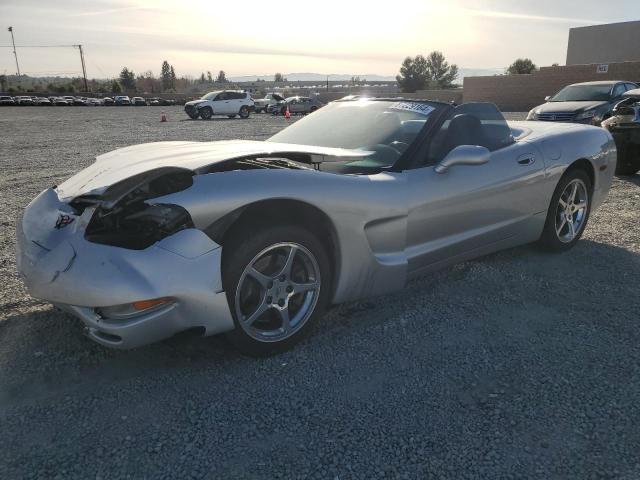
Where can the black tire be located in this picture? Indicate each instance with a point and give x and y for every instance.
(193, 115)
(206, 113)
(244, 112)
(550, 240)
(243, 247)
(231, 116)
(628, 160)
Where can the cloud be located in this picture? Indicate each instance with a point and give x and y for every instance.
(524, 16)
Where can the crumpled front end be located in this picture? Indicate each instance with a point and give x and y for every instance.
(126, 297)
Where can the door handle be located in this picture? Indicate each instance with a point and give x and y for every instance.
(526, 160)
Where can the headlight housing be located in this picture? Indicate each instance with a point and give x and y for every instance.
(533, 114)
(587, 114)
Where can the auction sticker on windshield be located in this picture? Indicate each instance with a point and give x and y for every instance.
(421, 108)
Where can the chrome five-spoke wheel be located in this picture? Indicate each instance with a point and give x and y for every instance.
(277, 292)
(571, 211)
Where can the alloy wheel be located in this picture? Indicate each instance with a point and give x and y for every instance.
(571, 211)
(277, 292)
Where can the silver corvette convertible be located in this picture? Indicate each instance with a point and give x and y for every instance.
(256, 239)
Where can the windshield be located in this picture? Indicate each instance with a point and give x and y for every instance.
(386, 128)
(210, 96)
(583, 93)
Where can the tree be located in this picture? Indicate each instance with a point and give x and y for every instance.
(3, 83)
(115, 87)
(439, 70)
(413, 74)
(222, 78)
(278, 78)
(165, 75)
(209, 77)
(173, 78)
(127, 79)
(202, 78)
(521, 66)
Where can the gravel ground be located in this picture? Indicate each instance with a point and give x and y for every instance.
(517, 365)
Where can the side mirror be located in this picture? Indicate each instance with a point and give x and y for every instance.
(547, 98)
(464, 155)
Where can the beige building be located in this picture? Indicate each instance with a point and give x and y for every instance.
(611, 43)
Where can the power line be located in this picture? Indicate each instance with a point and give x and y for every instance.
(37, 46)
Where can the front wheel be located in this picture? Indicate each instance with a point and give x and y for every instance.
(244, 112)
(568, 213)
(206, 113)
(278, 285)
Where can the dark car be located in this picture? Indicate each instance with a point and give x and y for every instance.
(589, 102)
(138, 102)
(108, 101)
(298, 104)
(624, 125)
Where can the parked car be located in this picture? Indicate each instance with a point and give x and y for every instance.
(589, 102)
(95, 102)
(122, 100)
(61, 101)
(225, 102)
(624, 125)
(108, 101)
(70, 100)
(6, 100)
(24, 101)
(270, 99)
(157, 101)
(301, 105)
(43, 101)
(257, 238)
(138, 102)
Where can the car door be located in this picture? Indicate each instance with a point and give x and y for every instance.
(470, 209)
(221, 104)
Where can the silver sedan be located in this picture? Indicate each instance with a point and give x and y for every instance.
(256, 239)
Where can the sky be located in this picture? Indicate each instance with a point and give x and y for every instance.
(259, 38)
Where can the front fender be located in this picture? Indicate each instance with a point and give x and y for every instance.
(369, 215)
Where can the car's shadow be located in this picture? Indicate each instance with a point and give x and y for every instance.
(45, 352)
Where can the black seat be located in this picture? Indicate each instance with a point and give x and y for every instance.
(464, 129)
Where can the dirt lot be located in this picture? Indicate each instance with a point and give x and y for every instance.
(517, 365)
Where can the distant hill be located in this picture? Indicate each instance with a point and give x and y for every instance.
(372, 77)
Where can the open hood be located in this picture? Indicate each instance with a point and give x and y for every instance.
(127, 162)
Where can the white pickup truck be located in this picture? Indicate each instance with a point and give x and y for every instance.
(269, 100)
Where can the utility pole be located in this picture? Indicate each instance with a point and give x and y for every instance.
(14, 50)
(84, 70)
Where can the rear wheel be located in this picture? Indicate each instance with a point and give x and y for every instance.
(568, 213)
(244, 112)
(206, 113)
(278, 285)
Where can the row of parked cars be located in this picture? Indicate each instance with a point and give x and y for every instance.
(234, 103)
(120, 100)
(614, 105)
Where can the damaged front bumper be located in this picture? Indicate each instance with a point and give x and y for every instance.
(59, 265)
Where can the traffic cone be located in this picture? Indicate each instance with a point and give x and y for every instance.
(287, 113)
(163, 117)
